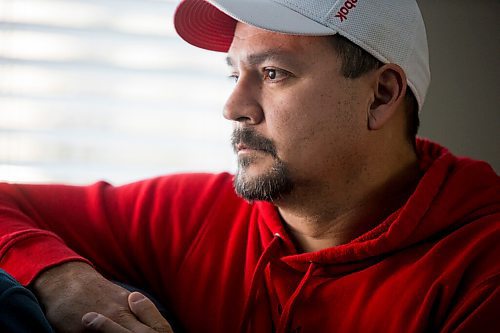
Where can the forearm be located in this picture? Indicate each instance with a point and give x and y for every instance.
(43, 226)
(132, 233)
(58, 279)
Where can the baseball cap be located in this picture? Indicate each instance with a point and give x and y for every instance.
(393, 31)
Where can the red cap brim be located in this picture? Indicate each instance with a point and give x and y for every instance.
(203, 25)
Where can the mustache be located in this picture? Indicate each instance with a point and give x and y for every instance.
(252, 140)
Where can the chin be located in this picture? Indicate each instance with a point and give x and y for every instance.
(258, 183)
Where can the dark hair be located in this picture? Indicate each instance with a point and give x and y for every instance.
(356, 62)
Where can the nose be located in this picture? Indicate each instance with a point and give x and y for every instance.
(243, 104)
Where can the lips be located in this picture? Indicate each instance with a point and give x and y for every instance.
(246, 139)
(242, 147)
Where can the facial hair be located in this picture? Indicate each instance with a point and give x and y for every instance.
(269, 186)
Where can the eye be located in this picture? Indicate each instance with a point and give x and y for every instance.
(233, 77)
(275, 75)
(271, 73)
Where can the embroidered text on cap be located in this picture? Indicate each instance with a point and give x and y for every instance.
(344, 11)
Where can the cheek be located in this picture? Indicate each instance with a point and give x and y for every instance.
(309, 115)
(317, 129)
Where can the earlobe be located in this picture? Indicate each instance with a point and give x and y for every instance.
(389, 91)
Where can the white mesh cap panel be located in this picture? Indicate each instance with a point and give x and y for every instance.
(271, 15)
(316, 10)
(392, 32)
(418, 63)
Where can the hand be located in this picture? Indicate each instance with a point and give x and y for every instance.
(141, 307)
(70, 290)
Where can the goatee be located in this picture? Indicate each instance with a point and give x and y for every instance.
(271, 185)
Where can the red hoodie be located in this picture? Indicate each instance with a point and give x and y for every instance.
(222, 263)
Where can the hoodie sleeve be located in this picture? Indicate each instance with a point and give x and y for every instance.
(132, 233)
(35, 219)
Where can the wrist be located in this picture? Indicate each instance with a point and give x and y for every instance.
(58, 277)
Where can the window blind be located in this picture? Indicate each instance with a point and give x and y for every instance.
(104, 89)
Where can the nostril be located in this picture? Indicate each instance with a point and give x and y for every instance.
(243, 119)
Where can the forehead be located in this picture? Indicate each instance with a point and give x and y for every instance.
(250, 43)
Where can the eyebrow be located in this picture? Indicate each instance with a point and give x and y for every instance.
(259, 58)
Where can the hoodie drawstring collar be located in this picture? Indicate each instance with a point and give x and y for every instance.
(257, 277)
(285, 320)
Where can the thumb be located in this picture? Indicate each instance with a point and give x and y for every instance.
(147, 313)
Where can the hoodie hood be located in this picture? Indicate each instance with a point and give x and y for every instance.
(451, 193)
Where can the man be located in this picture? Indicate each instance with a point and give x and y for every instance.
(341, 222)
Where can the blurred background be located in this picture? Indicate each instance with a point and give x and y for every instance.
(104, 89)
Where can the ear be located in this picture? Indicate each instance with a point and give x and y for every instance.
(389, 92)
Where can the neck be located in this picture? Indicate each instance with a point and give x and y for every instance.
(327, 216)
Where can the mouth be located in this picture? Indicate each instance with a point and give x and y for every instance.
(243, 148)
(246, 141)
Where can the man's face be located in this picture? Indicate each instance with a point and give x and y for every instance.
(299, 123)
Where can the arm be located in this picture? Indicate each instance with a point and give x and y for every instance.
(45, 229)
(131, 233)
(138, 233)
(44, 226)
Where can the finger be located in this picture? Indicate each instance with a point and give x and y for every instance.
(147, 313)
(98, 323)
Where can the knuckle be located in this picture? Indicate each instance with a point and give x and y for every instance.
(98, 323)
(122, 315)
